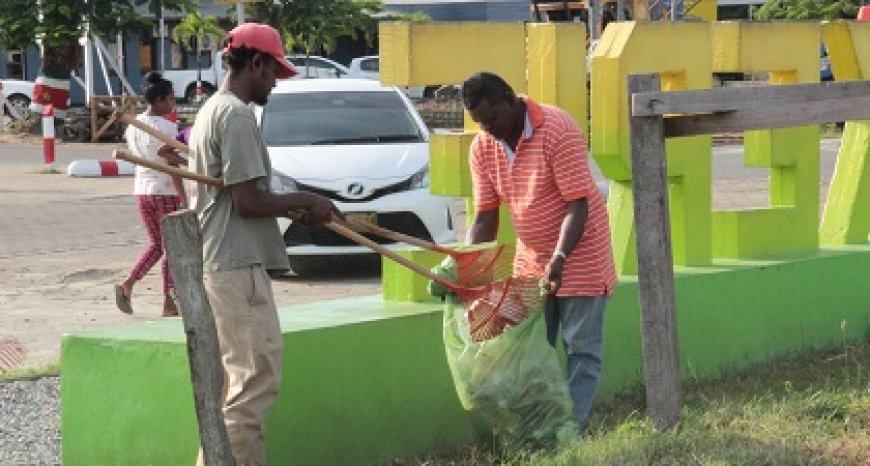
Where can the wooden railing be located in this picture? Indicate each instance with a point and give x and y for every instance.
(657, 115)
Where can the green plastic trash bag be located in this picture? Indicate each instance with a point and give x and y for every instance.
(513, 381)
(446, 269)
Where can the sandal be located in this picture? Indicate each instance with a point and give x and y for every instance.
(170, 308)
(122, 300)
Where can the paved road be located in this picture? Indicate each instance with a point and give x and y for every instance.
(64, 242)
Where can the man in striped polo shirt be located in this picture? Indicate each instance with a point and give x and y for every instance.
(532, 157)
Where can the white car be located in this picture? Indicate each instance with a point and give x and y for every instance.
(19, 94)
(368, 67)
(360, 144)
(312, 66)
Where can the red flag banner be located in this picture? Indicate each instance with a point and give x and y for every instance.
(48, 90)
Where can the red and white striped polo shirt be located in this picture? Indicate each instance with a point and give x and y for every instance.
(550, 169)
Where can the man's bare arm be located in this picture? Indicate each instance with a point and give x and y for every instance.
(484, 228)
(573, 226)
(251, 202)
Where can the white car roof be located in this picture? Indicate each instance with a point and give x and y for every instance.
(289, 86)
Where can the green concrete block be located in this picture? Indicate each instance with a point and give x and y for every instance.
(620, 206)
(738, 313)
(366, 381)
(402, 284)
(449, 173)
(847, 213)
(748, 234)
(790, 226)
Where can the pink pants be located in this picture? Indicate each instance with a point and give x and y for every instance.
(153, 208)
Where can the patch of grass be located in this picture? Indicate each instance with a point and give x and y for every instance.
(46, 171)
(52, 368)
(809, 409)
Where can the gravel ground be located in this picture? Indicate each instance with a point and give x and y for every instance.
(30, 421)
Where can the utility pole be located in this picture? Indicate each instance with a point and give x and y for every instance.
(161, 33)
(240, 12)
(594, 14)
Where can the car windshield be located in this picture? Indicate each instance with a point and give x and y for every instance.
(316, 118)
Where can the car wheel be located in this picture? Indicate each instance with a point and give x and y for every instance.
(190, 94)
(20, 103)
(307, 265)
(276, 273)
(75, 133)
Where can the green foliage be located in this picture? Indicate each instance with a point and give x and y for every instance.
(197, 27)
(28, 123)
(63, 21)
(315, 25)
(801, 10)
(17, 22)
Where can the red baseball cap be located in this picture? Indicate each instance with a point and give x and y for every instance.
(264, 38)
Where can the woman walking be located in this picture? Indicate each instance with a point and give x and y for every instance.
(157, 194)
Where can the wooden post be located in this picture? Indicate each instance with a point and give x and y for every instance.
(183, 242)
(655, 276)
(640, 10)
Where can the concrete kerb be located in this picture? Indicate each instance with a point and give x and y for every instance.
(100, 168)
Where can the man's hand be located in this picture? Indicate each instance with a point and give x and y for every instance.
(319, 211)
(553, 274)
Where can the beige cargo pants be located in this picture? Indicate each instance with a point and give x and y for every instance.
(250, 341)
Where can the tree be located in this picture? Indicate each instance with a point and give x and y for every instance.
(315, 25)
(802, 10)
(57, 25)
(193, 30)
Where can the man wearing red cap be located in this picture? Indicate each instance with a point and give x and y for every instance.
(241, 240)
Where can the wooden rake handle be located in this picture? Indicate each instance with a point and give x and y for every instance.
(162, 137)
(343, 230)
(121, 154)
(335, 225)
(400, 237)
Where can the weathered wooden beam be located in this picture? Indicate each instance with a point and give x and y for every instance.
(661, 358)
(774, 116)
(745, 98)
(183, 242)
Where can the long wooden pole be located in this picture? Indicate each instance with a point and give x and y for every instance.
(183, 242)
(122, 154)
(162, 137)
(655, 270)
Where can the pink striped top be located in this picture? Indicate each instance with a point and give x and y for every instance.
(550, 169)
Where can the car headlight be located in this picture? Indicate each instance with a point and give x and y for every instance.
(420, 179)
(283, 184)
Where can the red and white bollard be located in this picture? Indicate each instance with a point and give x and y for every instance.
(48, 134)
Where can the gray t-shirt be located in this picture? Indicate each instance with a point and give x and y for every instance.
(226, 143)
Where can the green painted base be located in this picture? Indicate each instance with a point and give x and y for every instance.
(365, 381)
